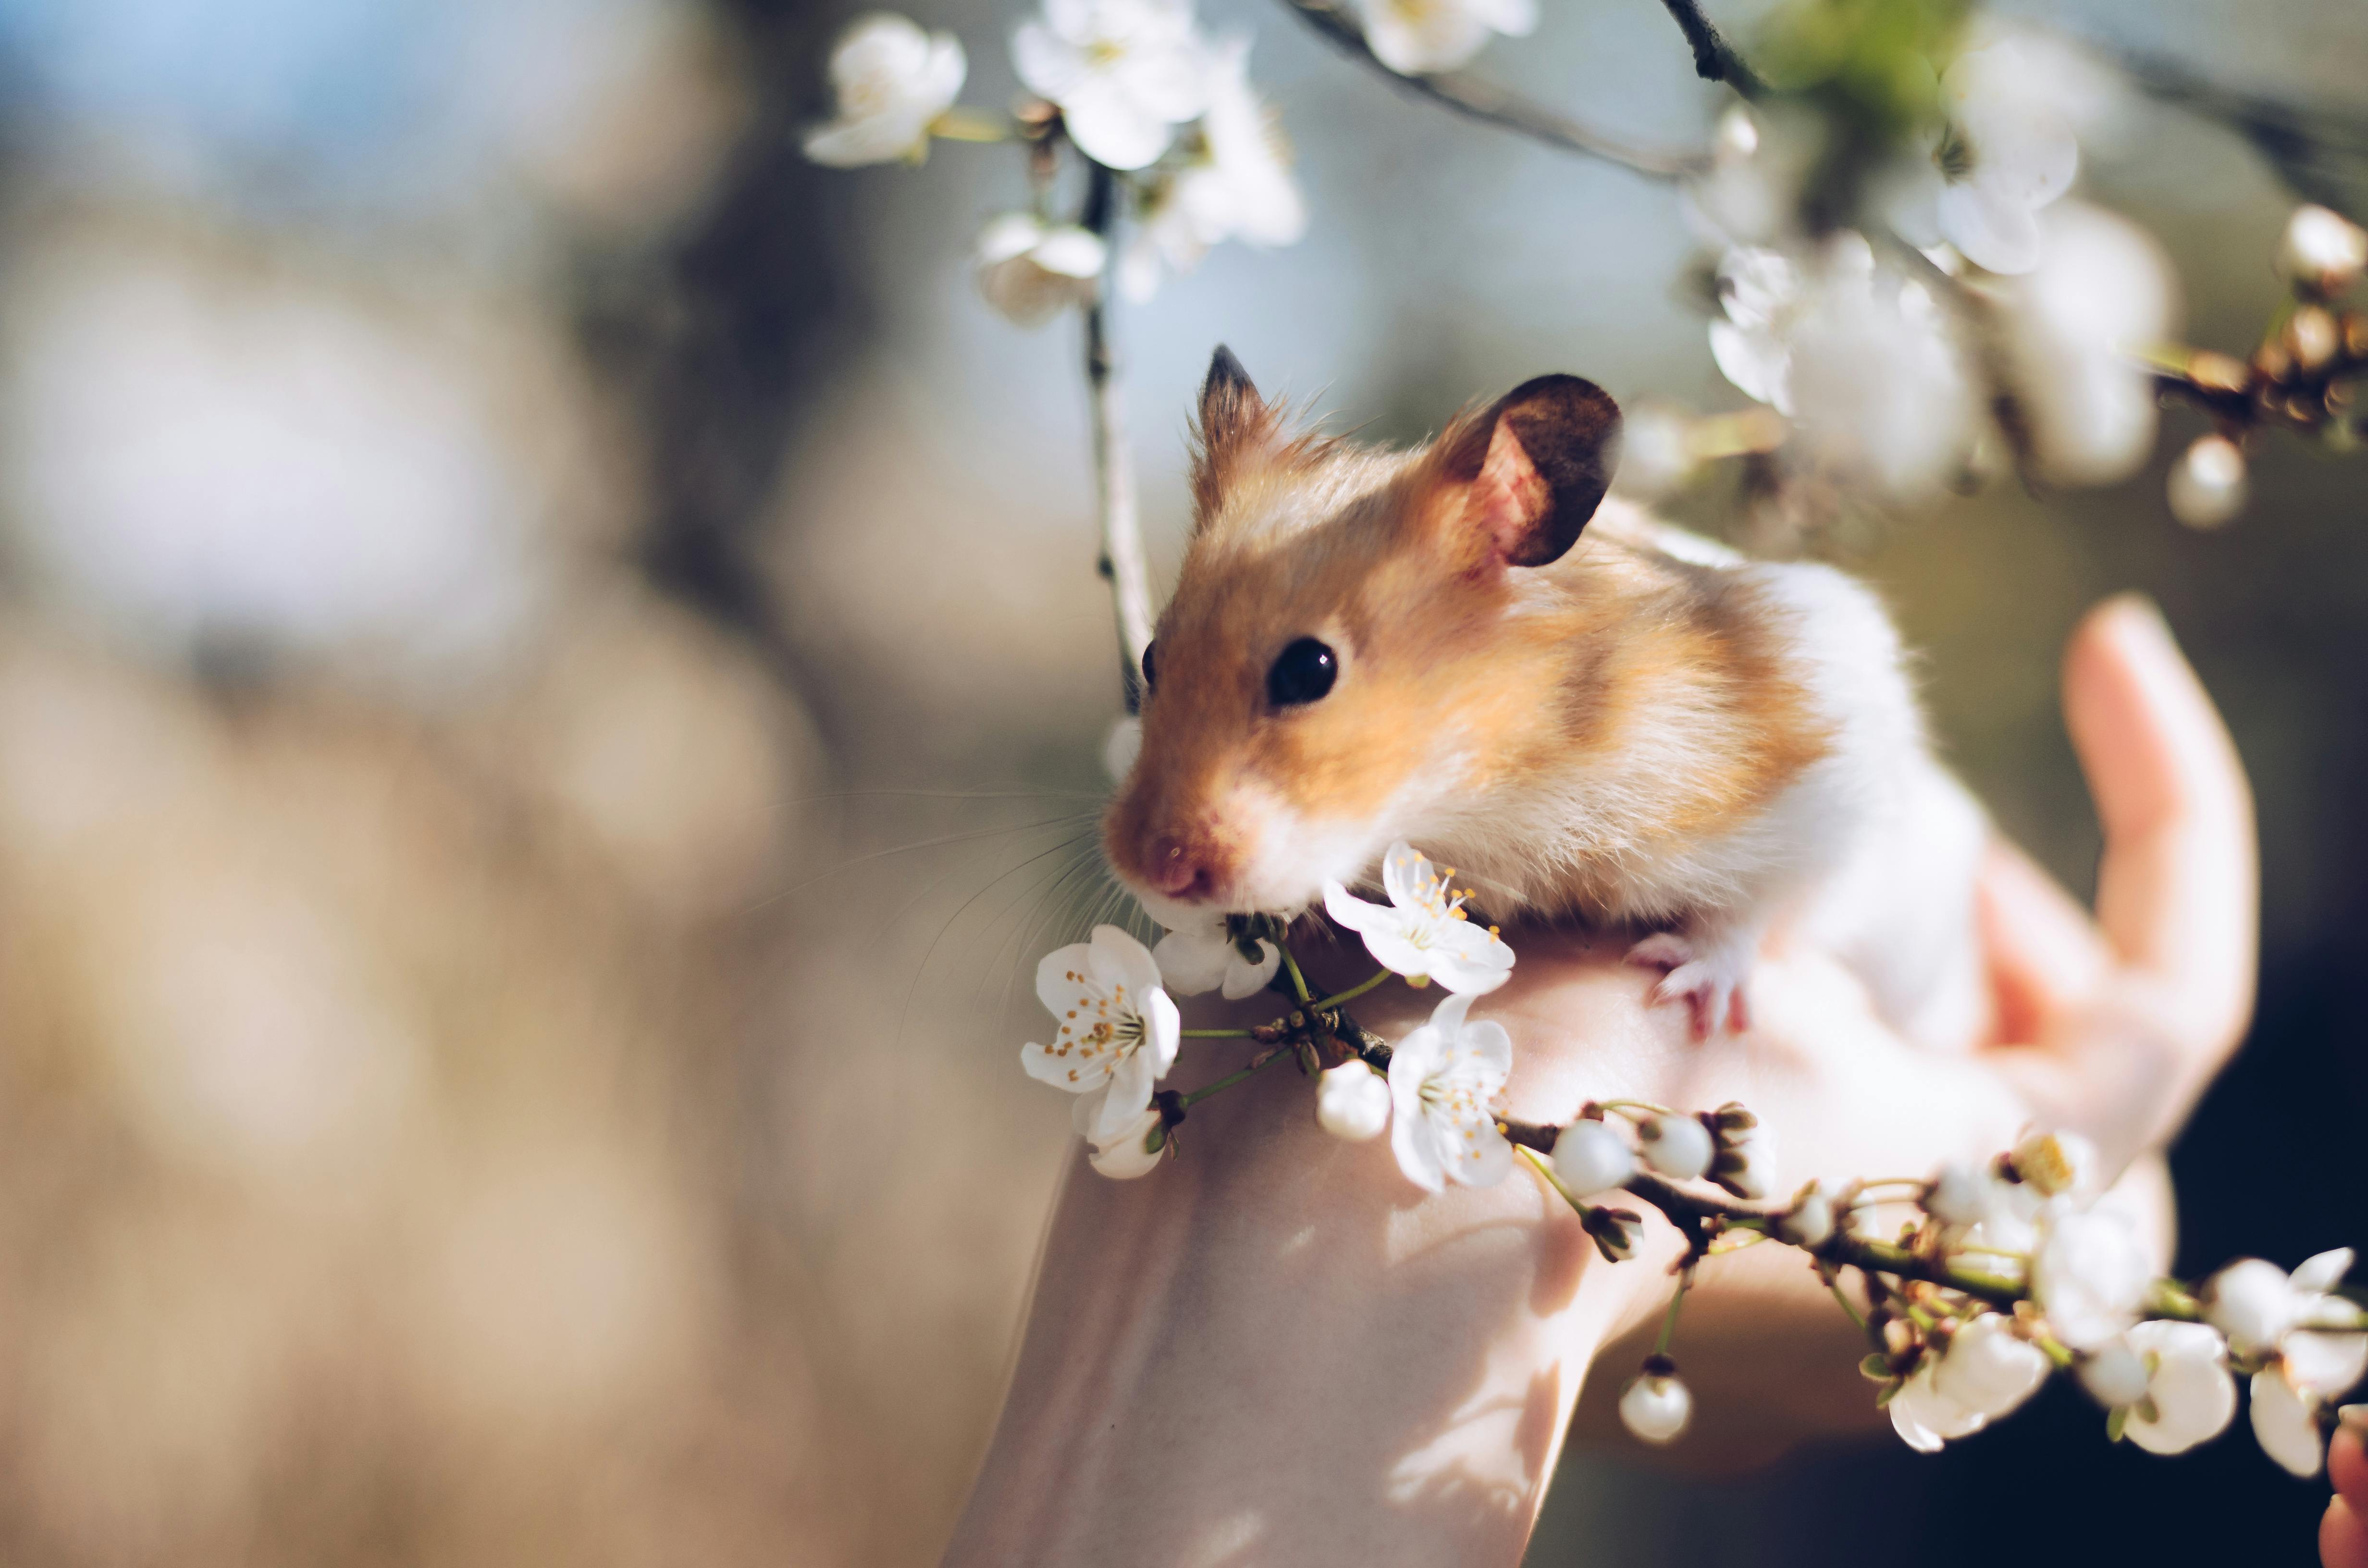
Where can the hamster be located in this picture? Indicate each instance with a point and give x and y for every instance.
(1585, 711)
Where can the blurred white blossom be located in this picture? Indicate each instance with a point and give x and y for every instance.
(2207, 485)
(1984, 1373)
(2286, 1422)
(1415, 38)
(1678, 1147)
(1236, 185)
(1862, 359)
(2103, 291)
(2089, 1275)
(2057, 1164)
(1124, 72)
(1032, 271)
(2170, 1380)
(892, 81)
(2323, 250)
(2314, 1335)
(2004, 153)
(1444, 1080)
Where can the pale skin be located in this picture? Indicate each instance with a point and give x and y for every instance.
(1276, 1350)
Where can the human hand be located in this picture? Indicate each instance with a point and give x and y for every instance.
(2343, 1533)
(1277, 1350)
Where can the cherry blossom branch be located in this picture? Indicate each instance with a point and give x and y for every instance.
(1476, 99)
(1121, 562)
(2300, 143)
(1715, 57)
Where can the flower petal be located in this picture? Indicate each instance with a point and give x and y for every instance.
(1410, 1134)
(1072, 1071)
(1163, 1032)
(2193, 1396)
(2324, 1271)
(2325, 1364)
(1111, 125)
(2286, 1425)
(1995, 226)
(1348, 910)
(1194, 959)
(1130, 1094)
(1048, 64)
(1464, 957)
(1244, 978)
(1407, 875)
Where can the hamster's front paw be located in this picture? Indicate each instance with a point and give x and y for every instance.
(1710, 977)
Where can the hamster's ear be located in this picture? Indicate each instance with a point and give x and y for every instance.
(1533, 467)
(1235, 426)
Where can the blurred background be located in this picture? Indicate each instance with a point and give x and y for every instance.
(551, 685)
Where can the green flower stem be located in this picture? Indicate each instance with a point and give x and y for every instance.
(960, 124)
(1353, 991)
(1215, 1034)
(1834, 1283)
(1676, 1304)
(1230, 1079)
(1547, 1171)
(1298, 981)
(1629, 1108)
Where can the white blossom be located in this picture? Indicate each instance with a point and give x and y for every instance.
(1960, 1195)
(1985, 1371)
(1678, 1147)
(1589, 1157)
(2005, 152)
(2101, 292)
(2315, 1337)
(2323, 250)
(1761, 156)
(1133, 1150)
(1863, 360)
(1118, 1029)
(2286, 1422)
(1209, 957)
(1237, 186)
(1444, 1079)
(2089, 1275)
(1352, 1102)
(892, 81)
(1416, 38)
(1988, 1369)
(2057, 1164)
(1422, 933)
(2169, 1381)
(2207, 484)
(1124, 72)
(1032, 271)
(1656, 1406)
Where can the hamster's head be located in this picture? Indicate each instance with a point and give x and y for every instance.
(1357, 650)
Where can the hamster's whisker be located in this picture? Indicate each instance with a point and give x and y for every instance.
(1067, 819)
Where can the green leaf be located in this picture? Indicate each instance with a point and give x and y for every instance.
(2114, 1422)
(1877, 1367)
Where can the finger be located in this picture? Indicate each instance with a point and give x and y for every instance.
(2178, 888)
(2342, 1537)
(2347, 1466)
(2045, 953)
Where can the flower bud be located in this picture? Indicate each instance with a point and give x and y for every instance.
(1588, 1158)
(2207, 483)
(2322, 250)
(1811, 1222)
(1677, 1146)
(1959, 1195)
(1746, 1162)
(1134, 1152)
(1656, 1406)
(1352, 1102)
(2055, 1162)
(1616, 1231)
(2114, 1375)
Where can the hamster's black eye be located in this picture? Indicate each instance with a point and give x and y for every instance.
(1149, 680)
(1302, 673)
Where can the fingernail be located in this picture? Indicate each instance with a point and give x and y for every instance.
(2354, 1417)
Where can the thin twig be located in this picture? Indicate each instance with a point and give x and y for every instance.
(1122, 561)
(1715, 57)
(1479, 99)
(2320, 154)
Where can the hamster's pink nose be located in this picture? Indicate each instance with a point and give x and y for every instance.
(1177, 871)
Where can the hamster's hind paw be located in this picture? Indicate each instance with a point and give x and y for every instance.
(1711, 981)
